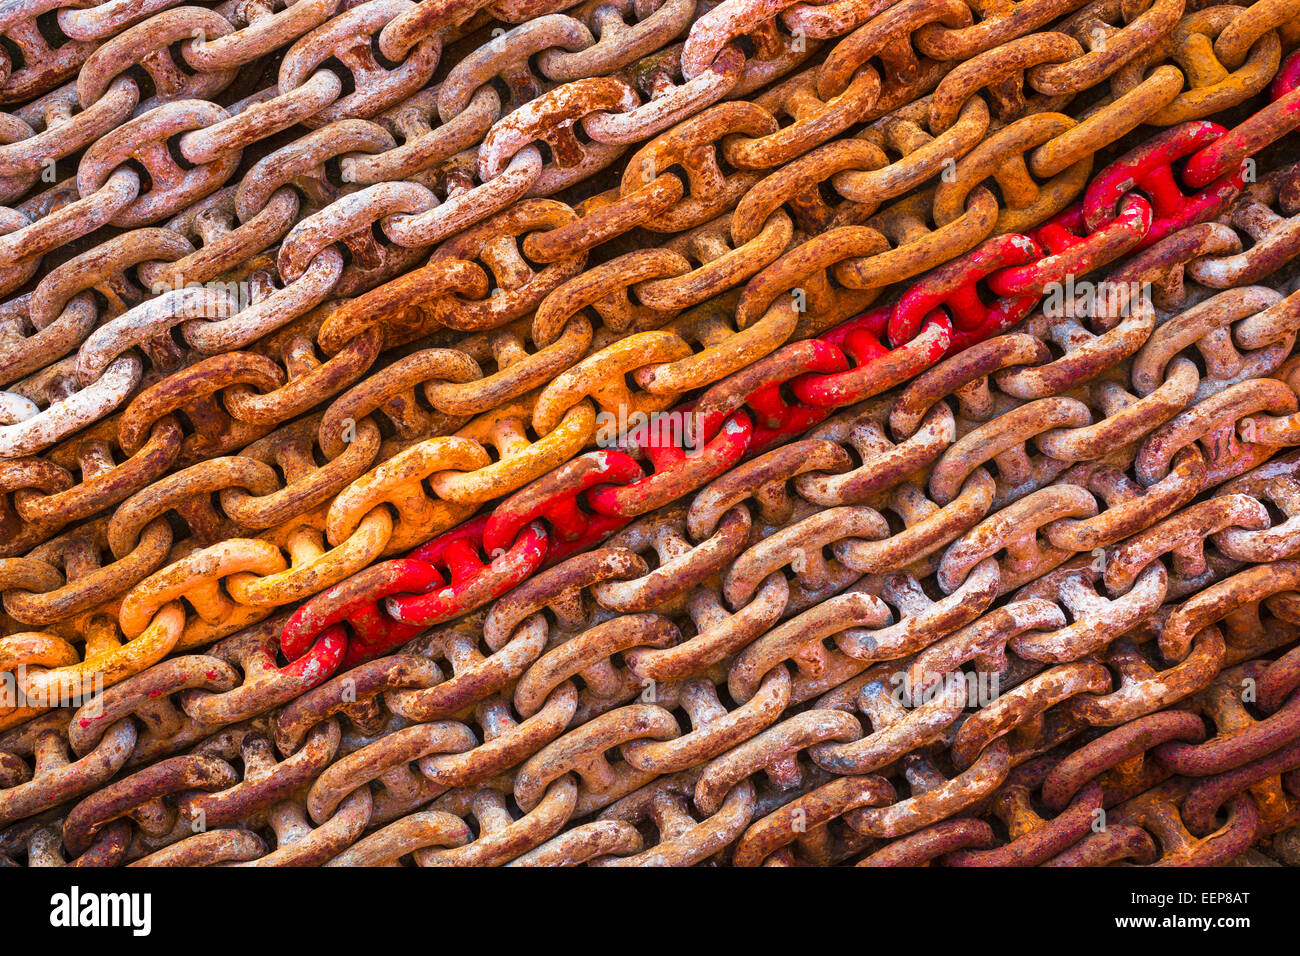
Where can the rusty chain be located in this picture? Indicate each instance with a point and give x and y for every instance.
(300, 436)
(810, 498)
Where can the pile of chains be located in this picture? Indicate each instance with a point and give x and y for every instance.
(855, 574)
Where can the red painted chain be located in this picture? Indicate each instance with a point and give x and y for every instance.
(1132, 203)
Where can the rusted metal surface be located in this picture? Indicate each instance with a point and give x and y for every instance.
(305, 556)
